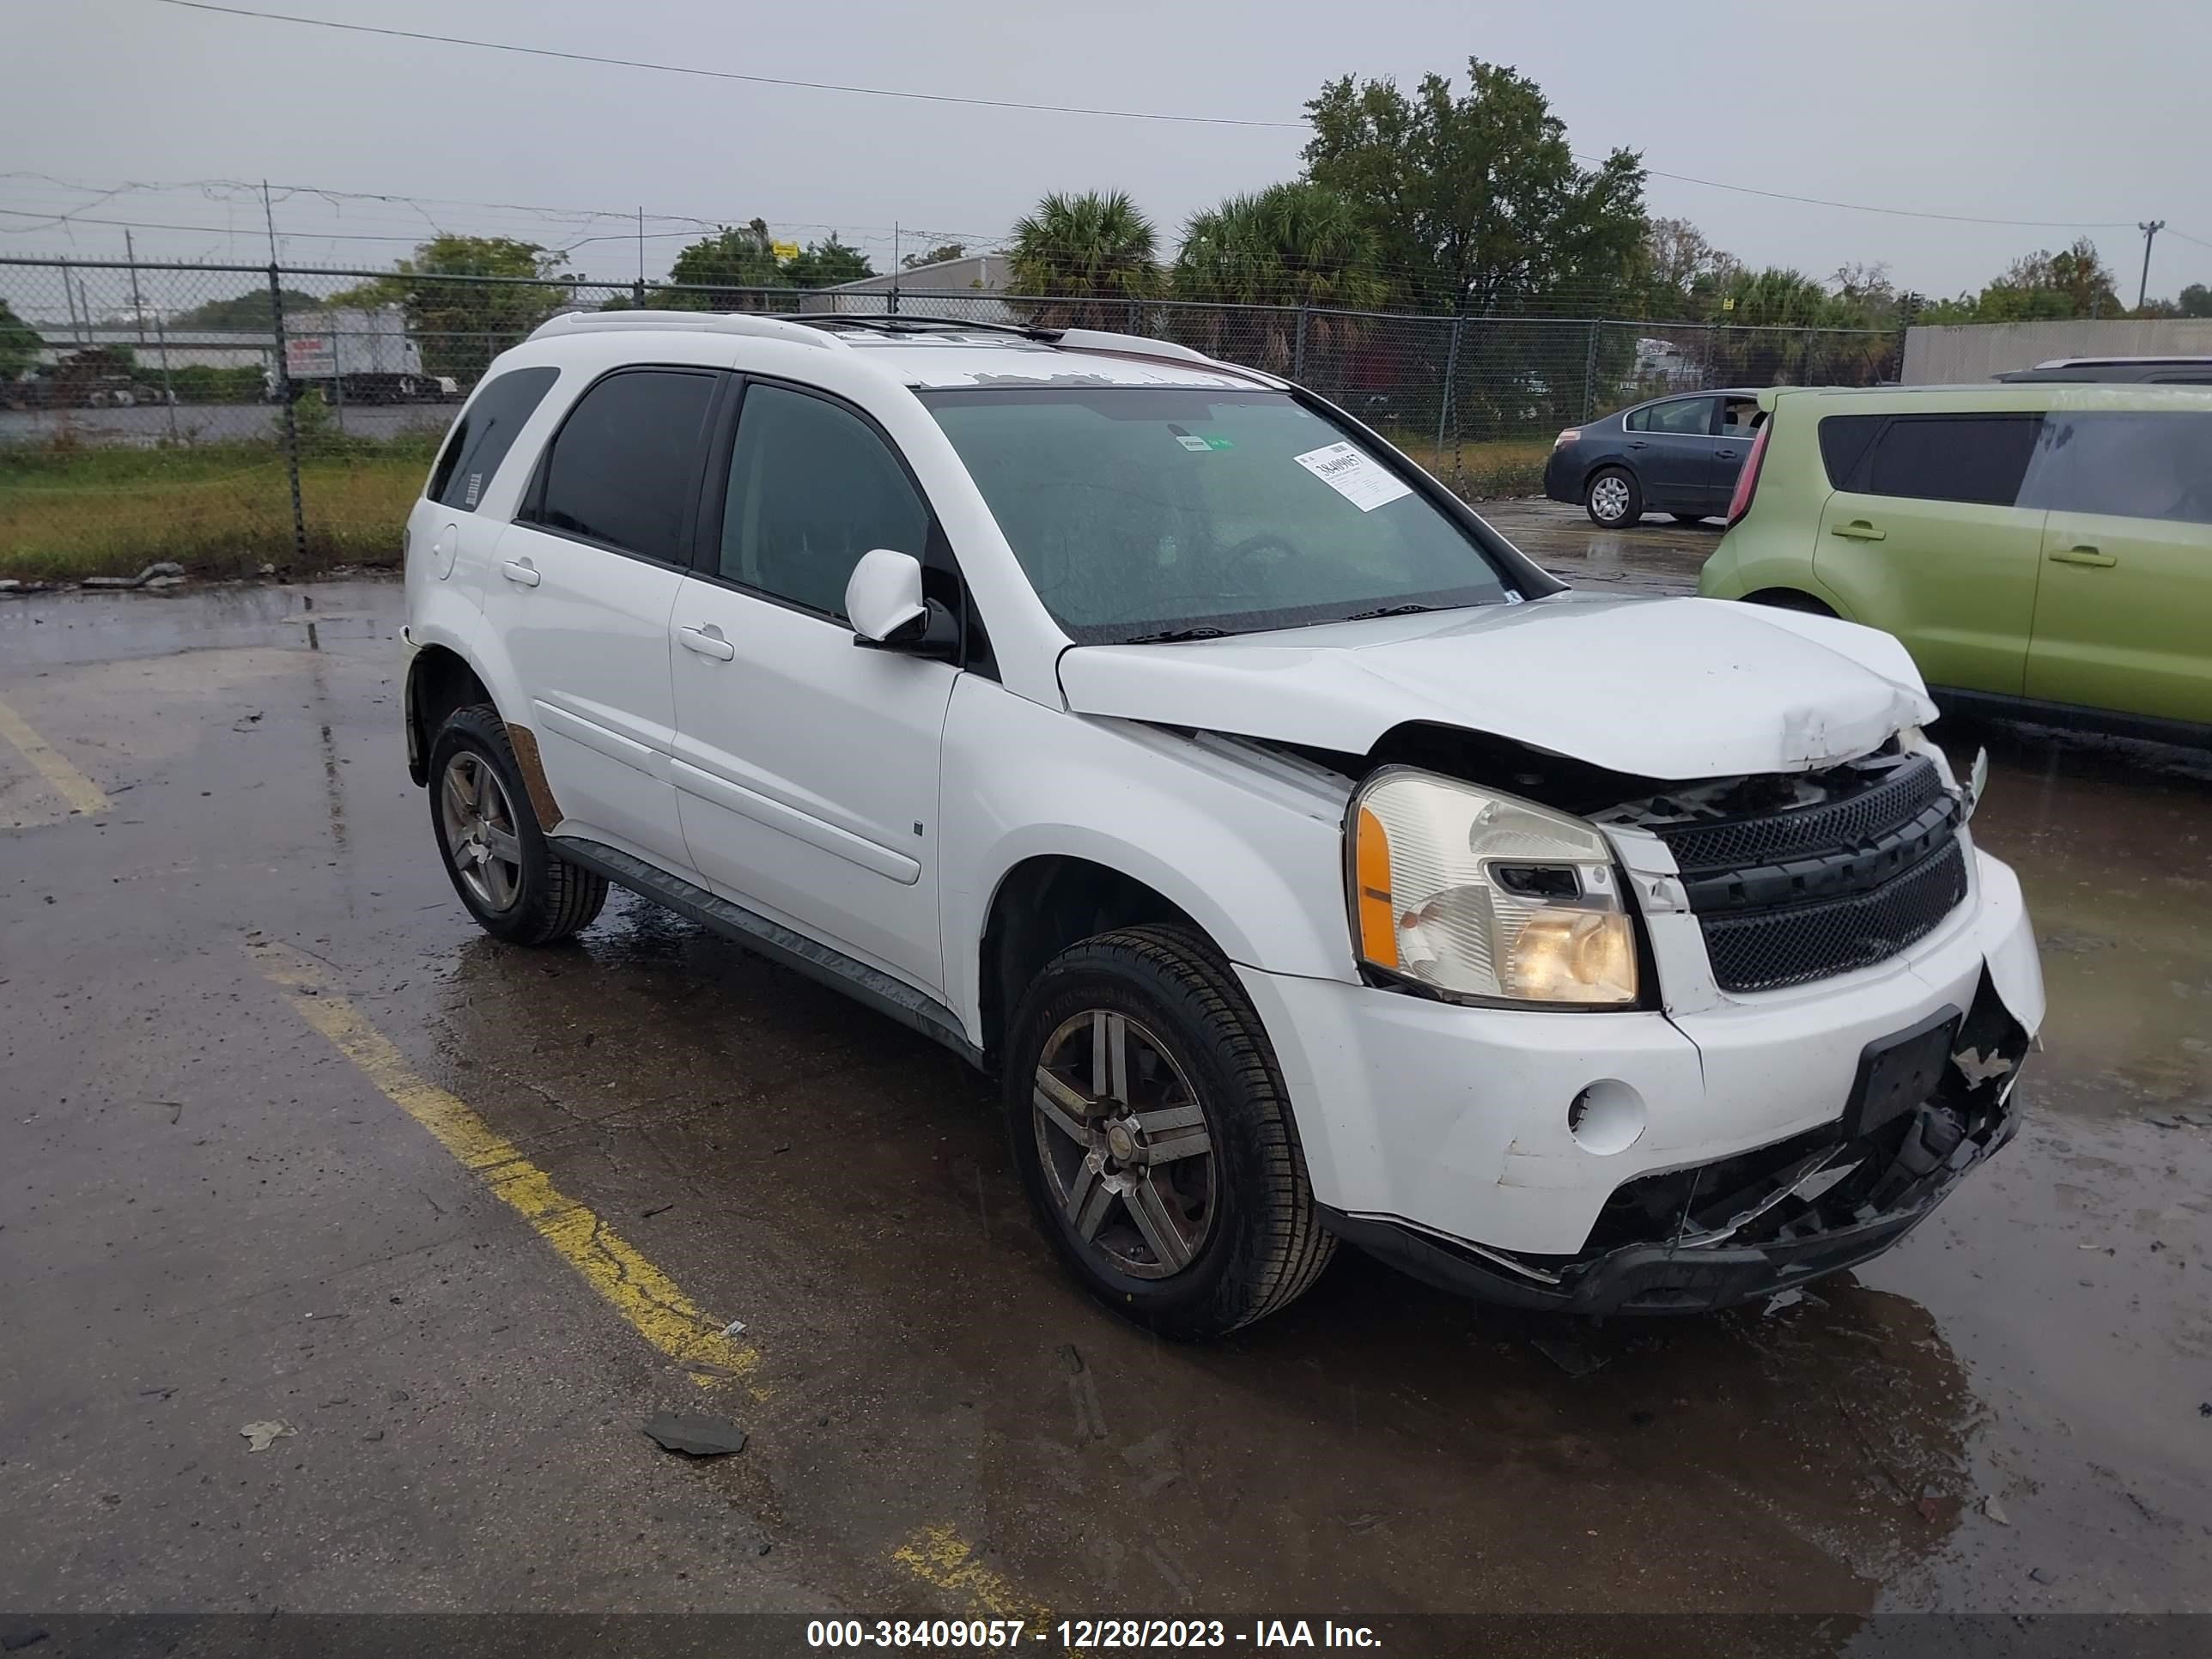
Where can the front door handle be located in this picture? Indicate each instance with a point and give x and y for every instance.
(707, 641)
(2084, 554)
(1858, 529)
(1727, 454)
(521, 570)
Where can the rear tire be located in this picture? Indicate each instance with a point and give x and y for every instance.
(1165, 1168)
(1788, 598)
(516, 886)
(1613, 498)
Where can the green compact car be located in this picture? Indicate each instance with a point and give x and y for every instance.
(2045, 547)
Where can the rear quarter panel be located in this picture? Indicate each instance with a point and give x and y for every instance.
(1773, 545)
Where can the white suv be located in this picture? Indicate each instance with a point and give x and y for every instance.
(1307, 863)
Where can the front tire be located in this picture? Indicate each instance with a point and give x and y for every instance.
(1150, 1126)
(516, 886)
(1613, 498)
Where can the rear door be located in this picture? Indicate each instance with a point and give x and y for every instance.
(1670, 445)
(2124, 610)
(1924, 535)
(581, 592)
(807, 765)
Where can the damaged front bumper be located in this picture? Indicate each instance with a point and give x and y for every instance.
(1710, 1236)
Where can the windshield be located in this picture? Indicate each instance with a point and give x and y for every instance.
(1139, 513)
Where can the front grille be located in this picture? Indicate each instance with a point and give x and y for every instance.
(1803, 894)
(1900, 797)
(1793, 944)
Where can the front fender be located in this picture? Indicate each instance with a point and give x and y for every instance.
(1250, 848)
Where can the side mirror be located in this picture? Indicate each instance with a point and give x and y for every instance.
(884, 601)
(885, 595)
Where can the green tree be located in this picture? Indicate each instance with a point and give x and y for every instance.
(1682, 272)
(937, 255)
(1091, 252)
(1291, 244)
(1477, 202)
(19, 344)
(825, 264)
(711, 273)
(2196, 301)
(249, 310)
(468, 298)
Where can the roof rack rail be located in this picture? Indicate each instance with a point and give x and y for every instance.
(708, 322)
(1132, 345)
(893, 323)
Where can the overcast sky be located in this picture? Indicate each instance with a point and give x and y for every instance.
(2023, 110)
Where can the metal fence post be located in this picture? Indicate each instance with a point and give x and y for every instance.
(1589, 373)
(1451, 370)
(1298, 348)
(291, 416)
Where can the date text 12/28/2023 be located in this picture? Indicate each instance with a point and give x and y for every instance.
(1085, 1635)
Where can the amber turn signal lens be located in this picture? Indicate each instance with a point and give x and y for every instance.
(1370, 869)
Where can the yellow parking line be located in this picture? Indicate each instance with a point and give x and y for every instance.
(83, 794)
(643, 1295)
(940, 1556)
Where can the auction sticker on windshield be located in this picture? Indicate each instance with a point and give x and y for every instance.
(1354, 476)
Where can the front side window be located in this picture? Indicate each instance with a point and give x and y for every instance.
(1980, 458)
(624, 470)
(812, 487)
(1139, 510)
(485, 432)
(1685, 418)
(2153, 465)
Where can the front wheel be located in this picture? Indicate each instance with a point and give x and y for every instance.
(517, 887)
(1613, 498)
(1149, 1125)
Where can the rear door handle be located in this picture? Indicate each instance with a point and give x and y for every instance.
(1858, 529)
(1727, 454)
(2084, 554)
(1636, 443)
(521, 570)
(707, 641)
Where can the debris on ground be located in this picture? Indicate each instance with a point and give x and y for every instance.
(1074, 1358)
(1568, 1355)
(695, 1436)
(259, 1437)
(2042, 1576)
(1995, 1510)
(162, 572)
(14, 1638)
(735, 1328)
(1782, 1299)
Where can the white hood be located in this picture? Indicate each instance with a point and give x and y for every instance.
(1670, 689)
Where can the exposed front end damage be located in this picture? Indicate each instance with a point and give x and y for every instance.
(1709, 1235)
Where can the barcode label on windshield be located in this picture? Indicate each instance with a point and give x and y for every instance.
(1354, 475)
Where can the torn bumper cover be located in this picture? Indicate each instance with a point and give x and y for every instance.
(1691, 1240)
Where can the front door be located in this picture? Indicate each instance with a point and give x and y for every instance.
(806, 766)
(581, 592)
(1671, 447)
(2124, 610)
(1924, 537)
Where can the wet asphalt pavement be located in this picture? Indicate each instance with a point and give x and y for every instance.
(209, 1216)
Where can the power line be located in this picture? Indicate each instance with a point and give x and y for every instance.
(725, 75)
(1863, 207)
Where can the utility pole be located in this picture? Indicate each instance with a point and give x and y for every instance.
(2150, 228)
(138, 313)
(641, 258)
(269, 216)
(892, 308)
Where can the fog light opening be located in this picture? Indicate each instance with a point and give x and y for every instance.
(1607, 1117)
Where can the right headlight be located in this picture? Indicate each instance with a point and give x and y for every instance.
(1480, 895)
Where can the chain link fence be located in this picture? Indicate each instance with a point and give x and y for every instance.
(230, 416)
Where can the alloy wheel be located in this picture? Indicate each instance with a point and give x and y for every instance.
(1609, 499)
(1124, 1145)
(478, 823)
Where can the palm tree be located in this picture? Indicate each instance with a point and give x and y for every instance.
(1291, 244)
(1094, 252)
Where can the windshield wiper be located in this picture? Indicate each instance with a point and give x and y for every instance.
(1177, 636)
(1391, 611)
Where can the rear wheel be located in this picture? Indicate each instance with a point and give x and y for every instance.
(1148, 1121)
(1613, 498)
(516, 886)
(1788, 598)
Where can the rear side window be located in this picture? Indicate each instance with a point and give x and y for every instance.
(1844, 440)
(624, 468)
(2145, 465)
(1684, 416)
(485, 432)
(811, 488)
(1935, 458)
